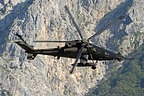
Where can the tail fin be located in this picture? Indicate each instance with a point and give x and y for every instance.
(28, 48)
(25, 46)
(20, 37)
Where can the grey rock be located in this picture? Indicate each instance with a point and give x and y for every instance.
(48, 20)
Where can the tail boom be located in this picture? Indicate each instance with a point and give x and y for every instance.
(29, 49)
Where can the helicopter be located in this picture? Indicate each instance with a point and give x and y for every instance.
(82, 50)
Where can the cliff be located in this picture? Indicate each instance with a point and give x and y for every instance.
(48, 20)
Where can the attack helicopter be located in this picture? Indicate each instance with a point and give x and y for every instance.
(82, 49)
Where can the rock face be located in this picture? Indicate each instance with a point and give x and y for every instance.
(48, 20)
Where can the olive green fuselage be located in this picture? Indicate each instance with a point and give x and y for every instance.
(71, 50)
(93, 52)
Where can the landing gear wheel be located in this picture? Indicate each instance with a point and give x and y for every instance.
(93, 67)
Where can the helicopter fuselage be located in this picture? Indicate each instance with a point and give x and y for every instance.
(93, 52)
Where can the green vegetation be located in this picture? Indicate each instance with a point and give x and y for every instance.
(127, 80)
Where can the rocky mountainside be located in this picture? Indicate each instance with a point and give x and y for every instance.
(127, 80)
(48, 20)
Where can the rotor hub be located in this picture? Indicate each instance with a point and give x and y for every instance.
(85, 40)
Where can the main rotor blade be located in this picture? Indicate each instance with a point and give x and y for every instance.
(77, 58)
(107, 26)
(75, 24)
(45, 41)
